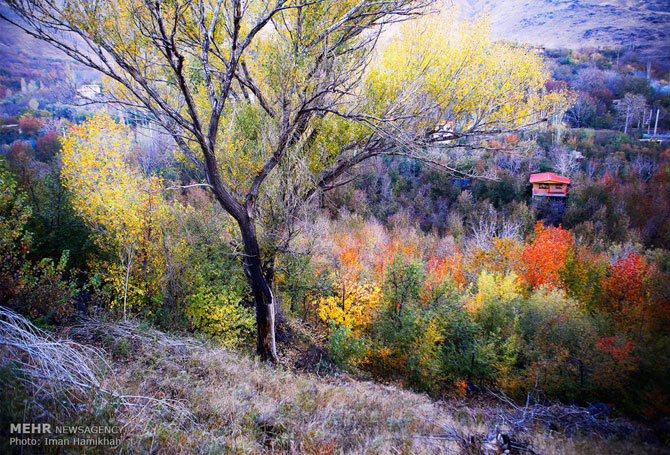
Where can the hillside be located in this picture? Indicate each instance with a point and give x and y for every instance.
(644, 25)
(24, 56)
(172, 394)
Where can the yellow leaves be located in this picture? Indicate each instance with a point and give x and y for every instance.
(476, 82)
(504, 256)
(109, 193)
(494, 288)
(352, 306)
(125, 207)
(245, 144)
(221, 316)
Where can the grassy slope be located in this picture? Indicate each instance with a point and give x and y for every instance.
(237, 405)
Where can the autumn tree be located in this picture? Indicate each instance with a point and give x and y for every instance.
(545, 257)
(440, 274)
(625, 294)
(274, 101)
(353, 302)
(29, 126)
(503, 257)
(47, 146)
(123, 206)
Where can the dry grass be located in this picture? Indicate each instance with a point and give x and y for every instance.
(64, 378)
(62, 369)
(242, 406)
(181, 396)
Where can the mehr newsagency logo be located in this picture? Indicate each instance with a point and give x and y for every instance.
(45, 434)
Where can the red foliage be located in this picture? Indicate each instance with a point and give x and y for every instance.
(609, 181)
(636, 295)
(348, 257)
(604, 95)
(624, 284)
(393, 250)
(47, 146)
(545, 257)
(29, 125)
(19, 153)
(511, 140)
(438, 271)
(616, 364)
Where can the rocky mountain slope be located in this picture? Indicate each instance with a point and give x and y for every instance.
(630, 24)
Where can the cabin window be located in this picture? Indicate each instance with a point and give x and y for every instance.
(544, 186)
(558, 186)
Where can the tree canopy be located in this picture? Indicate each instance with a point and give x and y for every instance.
(274, 101)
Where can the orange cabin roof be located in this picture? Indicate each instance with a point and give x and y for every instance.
(548, 177)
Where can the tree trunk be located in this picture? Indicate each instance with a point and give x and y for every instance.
(625, 128)
(261, 288)
(129, 264)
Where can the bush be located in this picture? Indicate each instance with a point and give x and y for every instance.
(404, 280)
(352, 305)
(461, 349)
(497, 300)
(222, 317)
(497, 309)
(47, 297)
(15, 241)
(346, 349)
(560, 337)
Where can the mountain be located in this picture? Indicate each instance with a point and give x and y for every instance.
(13, 40)
(643, 26)
(640, 25)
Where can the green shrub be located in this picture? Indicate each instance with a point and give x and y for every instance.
(408, 346)
(461, 347)
(346, 349)
(403, 281)
(15, 241)
(497, 301)
(222, 317)
(560, 339)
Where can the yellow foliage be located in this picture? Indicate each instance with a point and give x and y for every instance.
(427, 351)
(478, 84)
(501, 289)
(221, 316)
(124, 207)
(503, 257)
(352, 306)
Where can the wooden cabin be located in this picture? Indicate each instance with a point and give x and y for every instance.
(549, 184)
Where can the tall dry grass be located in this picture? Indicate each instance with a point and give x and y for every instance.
(62, 369)
(175, 395)
(240, 405)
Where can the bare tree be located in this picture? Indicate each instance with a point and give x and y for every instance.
(488, 224)
(590, 79)
(645, 166)
(583, 110)
(564, 161)
(509, 162)
(630, 109)
(591, 168)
